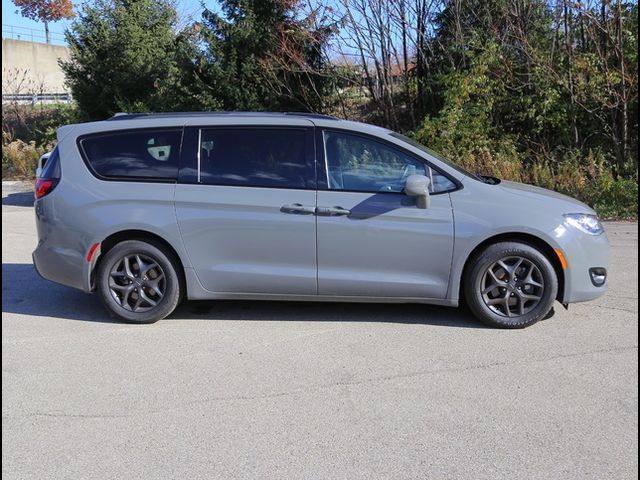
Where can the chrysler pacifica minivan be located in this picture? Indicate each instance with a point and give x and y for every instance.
(150, 209)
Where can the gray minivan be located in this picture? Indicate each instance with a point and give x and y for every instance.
(150, 209)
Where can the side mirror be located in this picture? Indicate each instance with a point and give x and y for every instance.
(418, 186)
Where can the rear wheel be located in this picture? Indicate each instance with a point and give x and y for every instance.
(138, 282)
(510, 285)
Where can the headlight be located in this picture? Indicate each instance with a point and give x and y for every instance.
(585, 222)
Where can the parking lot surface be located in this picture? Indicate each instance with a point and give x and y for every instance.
(304, 390)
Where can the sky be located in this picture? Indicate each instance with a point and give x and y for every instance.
(26, 28)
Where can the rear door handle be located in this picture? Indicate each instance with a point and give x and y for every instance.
(332, 211)
(298, 208)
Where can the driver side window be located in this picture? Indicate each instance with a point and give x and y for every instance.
(358, 164)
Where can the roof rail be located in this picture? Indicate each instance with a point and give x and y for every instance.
(131, 116)
(312, 115)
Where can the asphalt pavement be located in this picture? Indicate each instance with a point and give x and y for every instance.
(240, 389)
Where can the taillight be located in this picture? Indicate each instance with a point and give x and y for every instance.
(44, 186)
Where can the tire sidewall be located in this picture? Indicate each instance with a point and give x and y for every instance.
(492, 254)
(172, 283)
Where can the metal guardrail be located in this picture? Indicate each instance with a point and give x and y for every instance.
(16, 32)
(36, 98)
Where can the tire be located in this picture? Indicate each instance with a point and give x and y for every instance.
(138, 282)
(510, 285)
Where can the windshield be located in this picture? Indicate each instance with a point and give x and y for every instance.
(449, 163)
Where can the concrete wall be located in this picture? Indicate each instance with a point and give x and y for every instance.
(29, 67)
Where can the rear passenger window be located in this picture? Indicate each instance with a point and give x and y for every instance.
(149, 154)
(255, 157)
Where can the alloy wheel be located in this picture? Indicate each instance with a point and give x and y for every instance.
(513, 286)
(137, 283)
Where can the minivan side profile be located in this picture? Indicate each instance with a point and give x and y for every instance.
(150, 209)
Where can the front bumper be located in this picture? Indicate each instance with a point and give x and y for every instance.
(585, 254)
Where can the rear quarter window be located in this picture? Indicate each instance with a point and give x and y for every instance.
(52, 168)
(135, 154)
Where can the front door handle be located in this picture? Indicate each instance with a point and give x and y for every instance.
(298, 208)
(332, 211)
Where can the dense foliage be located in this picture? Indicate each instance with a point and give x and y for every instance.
(538, 91)
(126, 56)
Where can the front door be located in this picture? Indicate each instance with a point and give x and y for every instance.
(372, 239)
(245, 207)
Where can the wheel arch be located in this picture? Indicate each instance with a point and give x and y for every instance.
(143, 235)
(522, 237)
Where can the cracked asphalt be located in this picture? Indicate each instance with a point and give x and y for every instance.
(294, 390)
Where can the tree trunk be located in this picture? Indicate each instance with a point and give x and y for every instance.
(624, 114)
(420, 60)
(603, 33)
(405, 61)
(47, 34)
(568, 33)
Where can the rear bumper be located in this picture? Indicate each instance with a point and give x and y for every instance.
(59, 255)
(64, 267)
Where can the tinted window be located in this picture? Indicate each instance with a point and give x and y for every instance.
(360, 164)
(412, 142)
(255, 157)
(52, 168)
(439, 182)
(134, 154)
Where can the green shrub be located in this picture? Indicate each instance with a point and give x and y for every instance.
(36, 124)
(566, 170)
(28, 132)
(614, 199)
(590, 180)
(19, 159)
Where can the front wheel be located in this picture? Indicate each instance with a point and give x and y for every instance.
(137, 281)
(510, 285)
